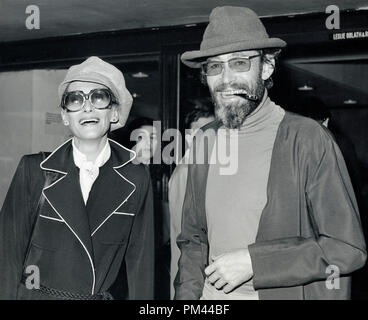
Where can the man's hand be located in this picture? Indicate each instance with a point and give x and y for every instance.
(230, 270)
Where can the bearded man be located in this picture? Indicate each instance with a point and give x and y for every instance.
(286, 225)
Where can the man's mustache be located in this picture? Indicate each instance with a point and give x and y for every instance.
(246, 94)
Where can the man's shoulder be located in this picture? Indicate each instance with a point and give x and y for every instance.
(304, 128)
(305, 136)
(299, 122)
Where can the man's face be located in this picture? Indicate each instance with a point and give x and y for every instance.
(230, 108)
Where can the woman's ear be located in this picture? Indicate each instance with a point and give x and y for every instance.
(268, 67)
(114, 114)
(64, 117)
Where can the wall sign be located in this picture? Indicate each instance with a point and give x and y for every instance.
(349, 35)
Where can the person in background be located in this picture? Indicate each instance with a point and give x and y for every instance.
(142, 136)
(85, 212)
(197, 118)
(287, 220)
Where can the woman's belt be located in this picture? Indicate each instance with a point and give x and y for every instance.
(66, 295)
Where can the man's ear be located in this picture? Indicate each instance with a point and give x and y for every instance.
(268, 67)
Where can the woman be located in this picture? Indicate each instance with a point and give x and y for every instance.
(94, 226)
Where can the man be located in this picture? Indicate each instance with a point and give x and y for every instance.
(197, 118)
(287, 222)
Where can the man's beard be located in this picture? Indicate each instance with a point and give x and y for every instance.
(233, 114)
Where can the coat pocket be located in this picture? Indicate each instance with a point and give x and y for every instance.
(49, 233)
(116, 229)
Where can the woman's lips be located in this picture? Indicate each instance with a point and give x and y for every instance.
(89, 121)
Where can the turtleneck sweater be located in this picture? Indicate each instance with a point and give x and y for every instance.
(234, 203)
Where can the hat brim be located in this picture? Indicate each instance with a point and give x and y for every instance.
(195, 58)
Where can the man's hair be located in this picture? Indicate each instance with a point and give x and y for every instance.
(266, 57)
(203, 108)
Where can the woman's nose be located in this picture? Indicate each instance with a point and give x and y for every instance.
(88, 106)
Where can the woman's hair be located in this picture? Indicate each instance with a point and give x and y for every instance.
(139, 123)
(133, 125)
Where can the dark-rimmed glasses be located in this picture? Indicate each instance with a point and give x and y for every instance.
(237, 64)
(74, 101)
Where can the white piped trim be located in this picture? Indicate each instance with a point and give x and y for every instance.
(124, 213)
(134, 186)
(109, 216)
(114, 212)
(52, 153)
(132, 151)
(71, 229)
(51, 218)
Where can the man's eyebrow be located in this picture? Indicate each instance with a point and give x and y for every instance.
(245, 54)
(210, 59)
(238, 54)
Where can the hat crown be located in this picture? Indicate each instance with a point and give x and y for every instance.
(232, 24)
(97, 66)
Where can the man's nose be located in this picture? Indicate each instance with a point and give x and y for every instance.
(227, 73)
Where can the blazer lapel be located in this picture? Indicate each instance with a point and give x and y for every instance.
(108, 194)
(111, 189)
(65, 196)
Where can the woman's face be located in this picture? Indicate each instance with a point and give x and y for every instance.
(146, 144)
(89, 123)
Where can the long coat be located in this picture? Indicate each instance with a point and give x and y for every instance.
(78, 248)
(309, 226)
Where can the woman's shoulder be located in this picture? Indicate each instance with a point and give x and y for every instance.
(34, 159)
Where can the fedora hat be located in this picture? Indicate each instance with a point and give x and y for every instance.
(231, 29)
(99, 71)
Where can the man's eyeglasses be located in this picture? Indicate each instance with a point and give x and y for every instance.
(238, 64)
(74, 101)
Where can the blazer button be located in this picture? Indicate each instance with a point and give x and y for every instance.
(204, 230)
